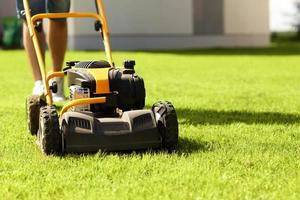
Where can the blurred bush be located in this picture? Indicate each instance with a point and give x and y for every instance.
(12, 32)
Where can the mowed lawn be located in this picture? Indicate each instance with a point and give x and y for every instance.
(239, 122)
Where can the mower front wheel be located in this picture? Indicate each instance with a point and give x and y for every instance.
(167, 124)
(49, 136)
(33, 105)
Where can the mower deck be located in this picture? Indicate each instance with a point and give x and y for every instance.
(82, 132)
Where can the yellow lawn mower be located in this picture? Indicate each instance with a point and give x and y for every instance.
(106, 107)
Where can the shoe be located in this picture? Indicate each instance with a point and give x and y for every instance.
(60, 94)
(38, 88)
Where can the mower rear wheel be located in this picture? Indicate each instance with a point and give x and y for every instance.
(167, 124)
(33, 105)
(49, 133)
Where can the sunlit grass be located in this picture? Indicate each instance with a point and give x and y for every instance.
(239, 114)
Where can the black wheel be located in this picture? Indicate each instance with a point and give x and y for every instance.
(64, 131)
(49, 137)
(167, 124)
(33, 105)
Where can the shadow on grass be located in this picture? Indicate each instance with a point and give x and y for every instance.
(214, 117)
(186, 146)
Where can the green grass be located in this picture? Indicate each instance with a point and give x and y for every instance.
(239, 114)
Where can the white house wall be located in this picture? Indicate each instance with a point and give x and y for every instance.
(150, 16)
(139, 17)
(175, 24)
(246, 16)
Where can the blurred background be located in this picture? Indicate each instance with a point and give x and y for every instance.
(173, 24)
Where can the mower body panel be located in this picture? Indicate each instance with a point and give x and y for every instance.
(83, 132)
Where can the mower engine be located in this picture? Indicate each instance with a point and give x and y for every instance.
(123, 89)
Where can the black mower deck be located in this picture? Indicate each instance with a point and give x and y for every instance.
(134, 130)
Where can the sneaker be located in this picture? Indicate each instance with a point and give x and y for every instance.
(60, 94)
(38, 88)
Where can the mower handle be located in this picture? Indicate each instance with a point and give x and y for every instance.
(32, 21)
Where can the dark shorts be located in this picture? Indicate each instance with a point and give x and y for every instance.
(43, 6)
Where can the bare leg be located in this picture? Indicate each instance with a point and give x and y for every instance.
(57, 41)
(31, 52)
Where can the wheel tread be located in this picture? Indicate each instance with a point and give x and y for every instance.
(49, 135)
(33, 104)
(167, 124)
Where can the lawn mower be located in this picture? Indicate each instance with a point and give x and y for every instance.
(106, 108)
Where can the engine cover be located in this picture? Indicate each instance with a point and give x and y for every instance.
(130, 88)
(123, 88)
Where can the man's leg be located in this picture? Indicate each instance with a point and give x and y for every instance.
(57, 41)
(38, 88)
(28, 44)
